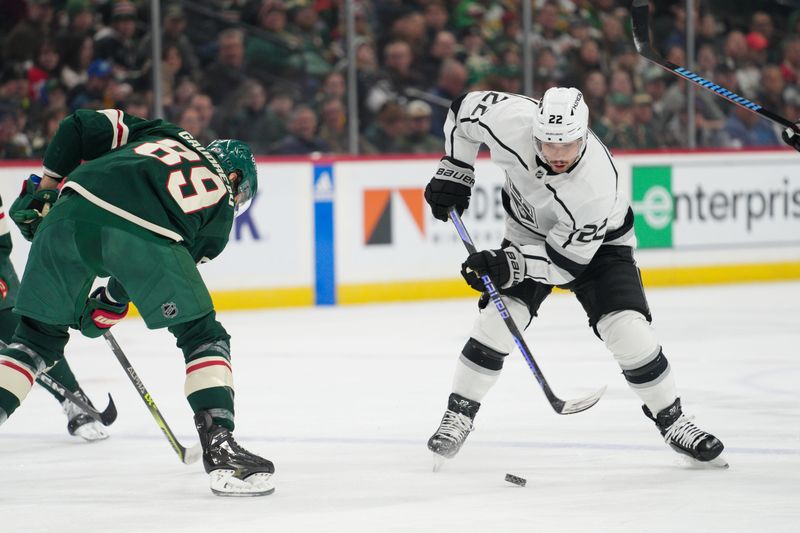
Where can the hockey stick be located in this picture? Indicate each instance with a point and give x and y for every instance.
(47, 381)
(187, 455)
(562, 407)
(640, 14)
(106, 417)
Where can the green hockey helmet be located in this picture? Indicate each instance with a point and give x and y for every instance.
(236, 156)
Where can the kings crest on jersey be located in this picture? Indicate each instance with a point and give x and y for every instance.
(558, 220)
(130, 161)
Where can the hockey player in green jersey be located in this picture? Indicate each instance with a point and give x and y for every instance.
(79, 423)
(148, 204)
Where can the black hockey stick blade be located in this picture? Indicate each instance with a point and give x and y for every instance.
(560, 406)
(106, 417)
(640, 20)
(186, 455)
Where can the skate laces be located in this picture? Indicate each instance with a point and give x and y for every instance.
(684, 432)
(455, 426)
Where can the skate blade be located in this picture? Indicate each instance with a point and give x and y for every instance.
(438, 461)
(225, 483)
(718, 463)
(91, 432)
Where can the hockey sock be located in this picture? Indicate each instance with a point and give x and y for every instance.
(62, 373)
(19, 367)
(209, 382)
(477, 370)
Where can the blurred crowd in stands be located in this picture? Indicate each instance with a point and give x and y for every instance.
(273, 72)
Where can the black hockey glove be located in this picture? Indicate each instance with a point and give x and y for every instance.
(451, 186)
(31, 206)
(506, 268)
(791, 138)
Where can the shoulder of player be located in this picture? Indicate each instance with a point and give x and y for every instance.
(505, 117)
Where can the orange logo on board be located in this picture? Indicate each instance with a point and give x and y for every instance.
(378, 204)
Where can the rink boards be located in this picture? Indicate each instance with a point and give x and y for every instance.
(349, 230)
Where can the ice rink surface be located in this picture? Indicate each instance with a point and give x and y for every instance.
(344, 399)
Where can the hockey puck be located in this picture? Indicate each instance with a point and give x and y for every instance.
(516, 480)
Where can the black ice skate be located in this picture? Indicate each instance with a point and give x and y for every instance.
(233, 470)
(453, 430)
(81, 424)
(684, 437)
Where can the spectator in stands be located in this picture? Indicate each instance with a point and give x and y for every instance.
(225, 76)
(436, 19)
(396, 76)
(452, 83)
(621, 82)
(772, 87)
(47, 65)
(476, 55)
(333, 129)
(418, 140)
(138, 107)
(444, 48)
(646, 135)
(550, 30)
(615, 128)
(76, 63)
(313, 58)
(117, 43)
(587, 58)
(270, 53)
(333, 87)
(70, 39)
(790, 65)
(255, 123)
(173, 35)
(14, 87)
(389, 129)
(745, 128)
(302, 138)
(595, 91)
(189, 120)
(27, 36)
(761, 23)
(93, 93)
(14, 144)
(202, 103)
(40, 139)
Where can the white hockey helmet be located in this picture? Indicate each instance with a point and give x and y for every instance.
(562, 117)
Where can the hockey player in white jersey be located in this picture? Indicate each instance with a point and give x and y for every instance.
(567, 224)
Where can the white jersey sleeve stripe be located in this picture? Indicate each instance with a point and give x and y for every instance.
(119, 130)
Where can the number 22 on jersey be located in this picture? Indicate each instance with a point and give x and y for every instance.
(208, 186)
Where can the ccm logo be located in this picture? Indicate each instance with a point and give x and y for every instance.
(455, 175)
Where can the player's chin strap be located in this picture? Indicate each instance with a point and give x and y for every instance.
(562, 407)
(105, 417)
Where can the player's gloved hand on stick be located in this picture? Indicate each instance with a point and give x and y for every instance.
(31, 206)
(100, 313)
(791, 137)
(506, 268)
(451, 186)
